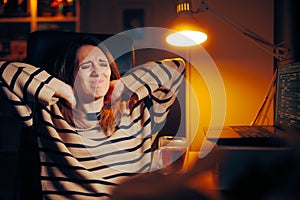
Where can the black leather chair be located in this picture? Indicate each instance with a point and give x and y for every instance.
(43, 48)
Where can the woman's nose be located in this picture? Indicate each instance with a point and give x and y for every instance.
(99, 70)
(94, 70)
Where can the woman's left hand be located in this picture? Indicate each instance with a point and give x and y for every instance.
(115, 91)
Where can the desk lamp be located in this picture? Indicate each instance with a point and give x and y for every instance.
(189, 33)
(186, 25)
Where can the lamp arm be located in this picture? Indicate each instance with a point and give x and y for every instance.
(278, 51)
(270, 92)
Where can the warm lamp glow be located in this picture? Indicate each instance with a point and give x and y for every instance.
(186, 38)
(188, 31)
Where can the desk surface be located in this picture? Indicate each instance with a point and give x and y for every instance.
(194, 184)
(257, 172)
(203, 174)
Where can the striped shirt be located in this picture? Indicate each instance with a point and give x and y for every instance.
(85, 163)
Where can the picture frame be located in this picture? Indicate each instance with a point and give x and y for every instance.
(131, 14)
(133, 18)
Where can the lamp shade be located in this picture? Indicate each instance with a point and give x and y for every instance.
(187, 31)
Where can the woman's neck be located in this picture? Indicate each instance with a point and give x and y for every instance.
(91, 107)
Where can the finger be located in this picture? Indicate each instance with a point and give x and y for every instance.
(117, 91)
(71, 101)
(66, 92)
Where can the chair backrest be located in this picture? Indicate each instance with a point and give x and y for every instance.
(44, 47)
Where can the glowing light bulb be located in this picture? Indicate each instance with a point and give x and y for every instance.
(186, 38)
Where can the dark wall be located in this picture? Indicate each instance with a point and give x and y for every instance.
(286, 29)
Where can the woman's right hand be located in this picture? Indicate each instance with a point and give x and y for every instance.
(66, 92)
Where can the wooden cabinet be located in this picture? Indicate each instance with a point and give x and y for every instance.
(18, 18)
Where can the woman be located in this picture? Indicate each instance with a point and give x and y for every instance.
(94, 128)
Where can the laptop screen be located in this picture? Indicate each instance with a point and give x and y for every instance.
(287, 105)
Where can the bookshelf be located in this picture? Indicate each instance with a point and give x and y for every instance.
(18, 18)
(16, 23)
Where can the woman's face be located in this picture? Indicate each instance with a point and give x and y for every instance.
(93, 74)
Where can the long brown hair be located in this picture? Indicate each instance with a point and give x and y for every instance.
(65, 70)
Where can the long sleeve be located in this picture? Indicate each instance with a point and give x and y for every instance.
(151, 77)
(24, 84)
(157, 85)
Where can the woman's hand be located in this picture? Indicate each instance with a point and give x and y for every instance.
(116, 89)
(66, 92)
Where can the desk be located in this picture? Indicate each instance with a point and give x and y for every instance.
(197, 183)
(203, 174)
(248, 172)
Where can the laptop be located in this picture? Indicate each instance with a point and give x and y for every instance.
(286, 116)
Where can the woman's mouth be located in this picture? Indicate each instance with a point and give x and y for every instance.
(96, 82)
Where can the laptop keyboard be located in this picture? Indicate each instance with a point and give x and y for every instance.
(252, 132)
(253, 136)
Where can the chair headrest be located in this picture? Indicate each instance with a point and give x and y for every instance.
(44, 47)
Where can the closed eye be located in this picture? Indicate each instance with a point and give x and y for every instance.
(89, 64)
(86, 66)
(103, 63)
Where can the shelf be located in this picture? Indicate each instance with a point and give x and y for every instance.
(60, 25)
(38, 19)
(40, 11)
(15, 19)
(57, 19)
(35, 15)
